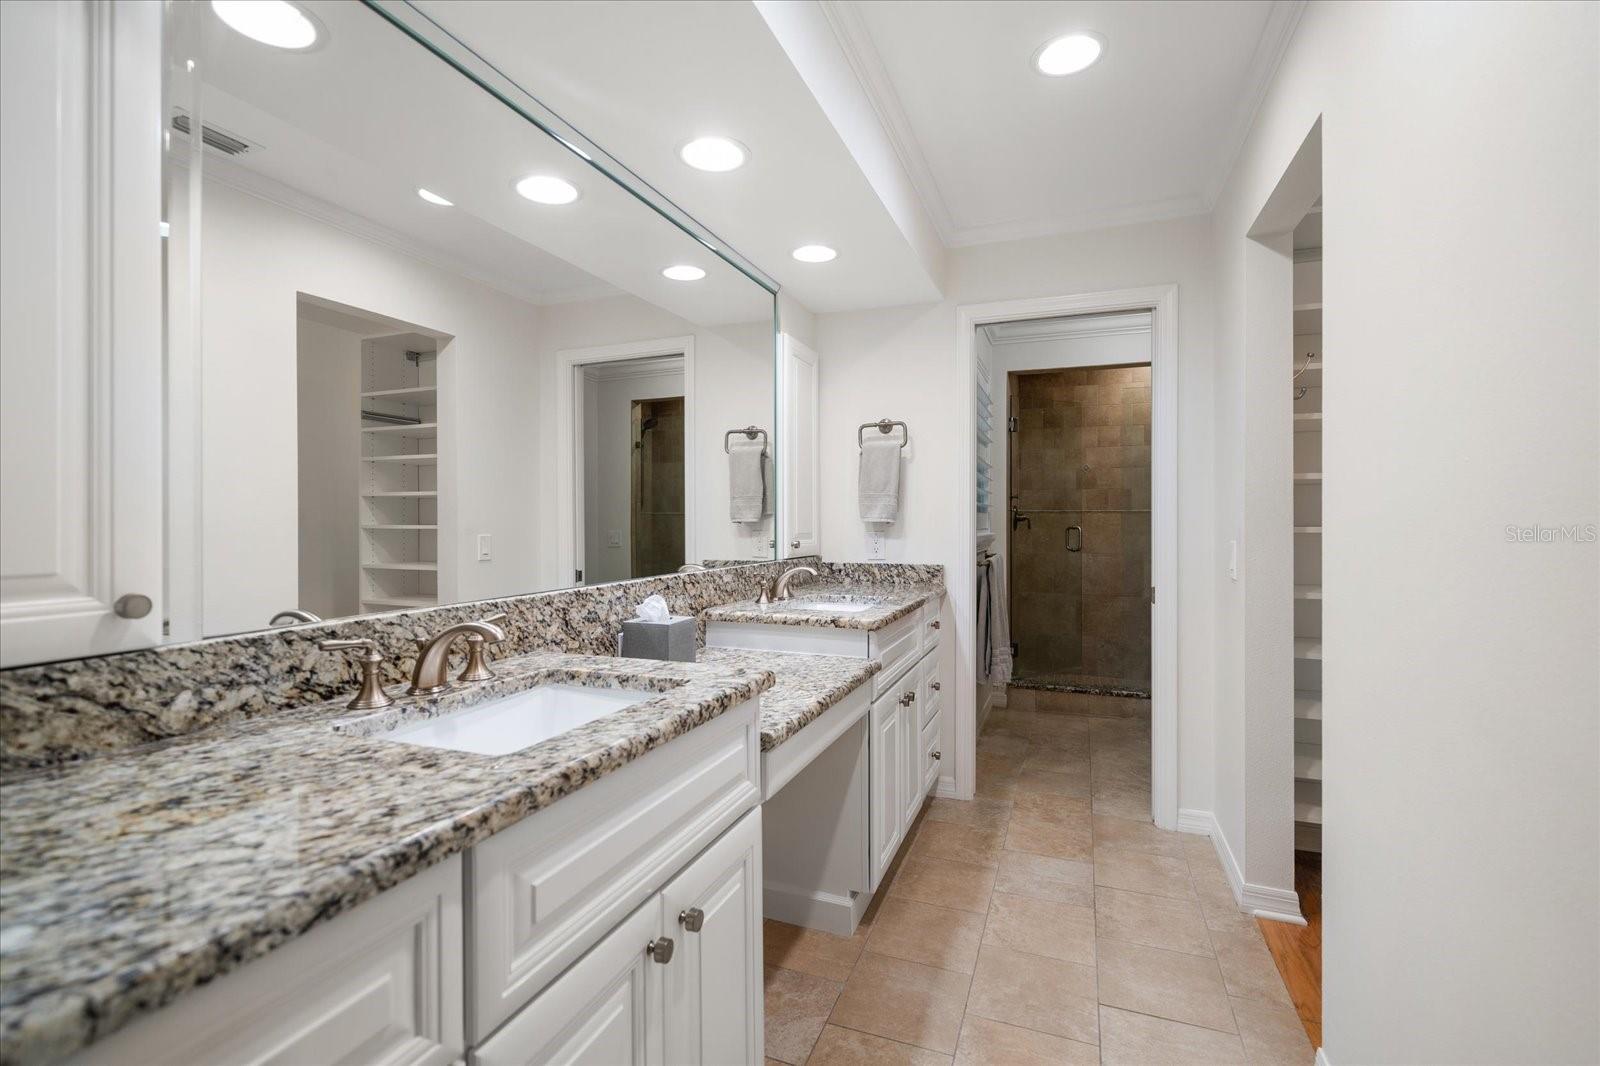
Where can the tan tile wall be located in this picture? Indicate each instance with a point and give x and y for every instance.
(1082, 444)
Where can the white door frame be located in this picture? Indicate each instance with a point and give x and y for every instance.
(792, 540)
(569, 425)
(1162, 302)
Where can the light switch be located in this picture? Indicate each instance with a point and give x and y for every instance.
(483, 548)
(614, 538)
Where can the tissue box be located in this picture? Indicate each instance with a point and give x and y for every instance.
(673, 639)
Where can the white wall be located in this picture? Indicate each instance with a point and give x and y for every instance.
(1461, 698)
(328, 378)
(608, 462)
(900, 363)
(257, 257)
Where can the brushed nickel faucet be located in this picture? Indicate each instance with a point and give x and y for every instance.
(433, 655)
(778, 591)
(293, 615)
(371, 697)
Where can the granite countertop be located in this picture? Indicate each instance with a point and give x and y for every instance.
(129, 878)
(887, 604)
(807, 685)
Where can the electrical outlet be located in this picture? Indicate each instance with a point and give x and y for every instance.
(484, 554)
(875, 547)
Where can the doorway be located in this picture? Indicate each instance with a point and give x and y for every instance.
(656, 518)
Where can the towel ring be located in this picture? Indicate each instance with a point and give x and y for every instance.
(750, 432)
(885, 426)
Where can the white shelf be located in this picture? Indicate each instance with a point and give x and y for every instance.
(1308, 762)
(1308, 706)
(421, 429)
(396, 527)
(1308, 592)
(1308, 802)
(1308, 422)
(429, 459)
(1308, 648)
(1308, 479)
(414, 394)
(413, 567)
(401, 601)
(1309, 530)
(1307, 319)
(399, 495)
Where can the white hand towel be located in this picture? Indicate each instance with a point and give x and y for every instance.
(879, 487)
(997, 669)
(747, 480)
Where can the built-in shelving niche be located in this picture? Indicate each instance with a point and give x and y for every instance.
(399, 490)
(1307, 592)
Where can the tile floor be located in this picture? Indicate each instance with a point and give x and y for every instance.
(1045, 921)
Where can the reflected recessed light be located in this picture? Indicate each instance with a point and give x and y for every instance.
(434, 198)
(275, 22)
(683, 272)
(544, 189)
(1069, 54)
(716, 154)
(814, 253)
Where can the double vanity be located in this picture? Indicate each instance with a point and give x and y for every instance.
(568, 862)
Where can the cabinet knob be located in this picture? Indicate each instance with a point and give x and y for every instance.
(794, 544)
(692, 919)
(937, 755)
(660, 949)
(934, 685)
(133, 605)
(933, 624)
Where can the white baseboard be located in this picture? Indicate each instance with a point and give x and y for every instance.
(1322, 1058)
(827, 911)
(1262, 901)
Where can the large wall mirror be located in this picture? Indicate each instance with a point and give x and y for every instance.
(423, 350)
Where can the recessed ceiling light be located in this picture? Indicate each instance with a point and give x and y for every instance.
(434, 198)
(716, 154)
(544, 189)
(1069, 54)
(683, 272)
(814, 253)
(275, 22)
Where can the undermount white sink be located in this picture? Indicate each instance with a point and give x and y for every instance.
(517, 721)
(831, 606)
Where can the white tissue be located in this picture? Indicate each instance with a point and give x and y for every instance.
(653, 609)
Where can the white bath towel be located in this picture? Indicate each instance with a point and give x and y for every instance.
(994, 618)
(879, 487)
(747, 480)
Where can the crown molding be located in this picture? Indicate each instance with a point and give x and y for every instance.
(648, 367)
(1048, 329)
(1271, 46)
(226, 172)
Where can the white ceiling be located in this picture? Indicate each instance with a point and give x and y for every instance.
(1000, 152)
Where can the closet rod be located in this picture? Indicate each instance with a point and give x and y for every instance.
(398, 420)
(1084, 510)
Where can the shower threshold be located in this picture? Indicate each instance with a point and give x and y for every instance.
(1094, 686)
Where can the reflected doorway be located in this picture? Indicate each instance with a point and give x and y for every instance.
(656, 521)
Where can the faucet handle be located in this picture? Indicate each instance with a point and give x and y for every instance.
(477, 668)
(371, 697)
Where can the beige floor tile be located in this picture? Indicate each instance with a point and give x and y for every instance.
(1045, 877)
(991, 765)
(1057, 760)
(1135, 871)
(1272, 1034)
(790, 947)
(921, 932)
(995, 788)
(1129, 1039)
(983, 813)
(1019, 699)
(1003, 744)
(964, 843)
(1201, 852)
(1136, 834)
(904, 1001)
(988, 1043)
(962, 886)
(1042, 782)
(1167, 984)
(1041, 927)
(1034, 992)
(1247, 967)
(1062, 835)
(1122, 799)
(797, 1007)
(1155, 921)
(1226, 917)
(845, 1047)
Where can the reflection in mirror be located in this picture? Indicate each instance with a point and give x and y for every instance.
(421, 351)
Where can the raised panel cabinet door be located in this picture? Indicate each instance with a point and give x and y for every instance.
(913, 692)
(80, 329)
(886, 769)
(797, 449)
(604, 1011)
(714, 981)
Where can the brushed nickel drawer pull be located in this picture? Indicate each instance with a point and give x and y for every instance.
(692, 919)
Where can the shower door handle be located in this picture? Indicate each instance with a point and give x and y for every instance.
(1074, 545)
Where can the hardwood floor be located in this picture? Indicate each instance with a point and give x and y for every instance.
(1297, 949)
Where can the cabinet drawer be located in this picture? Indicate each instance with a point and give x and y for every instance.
(547, 888)
(931, 754)
(929, 626)
(382, 983)
(896, 647)
(931, 689)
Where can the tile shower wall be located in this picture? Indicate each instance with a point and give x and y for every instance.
(1081, 457)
